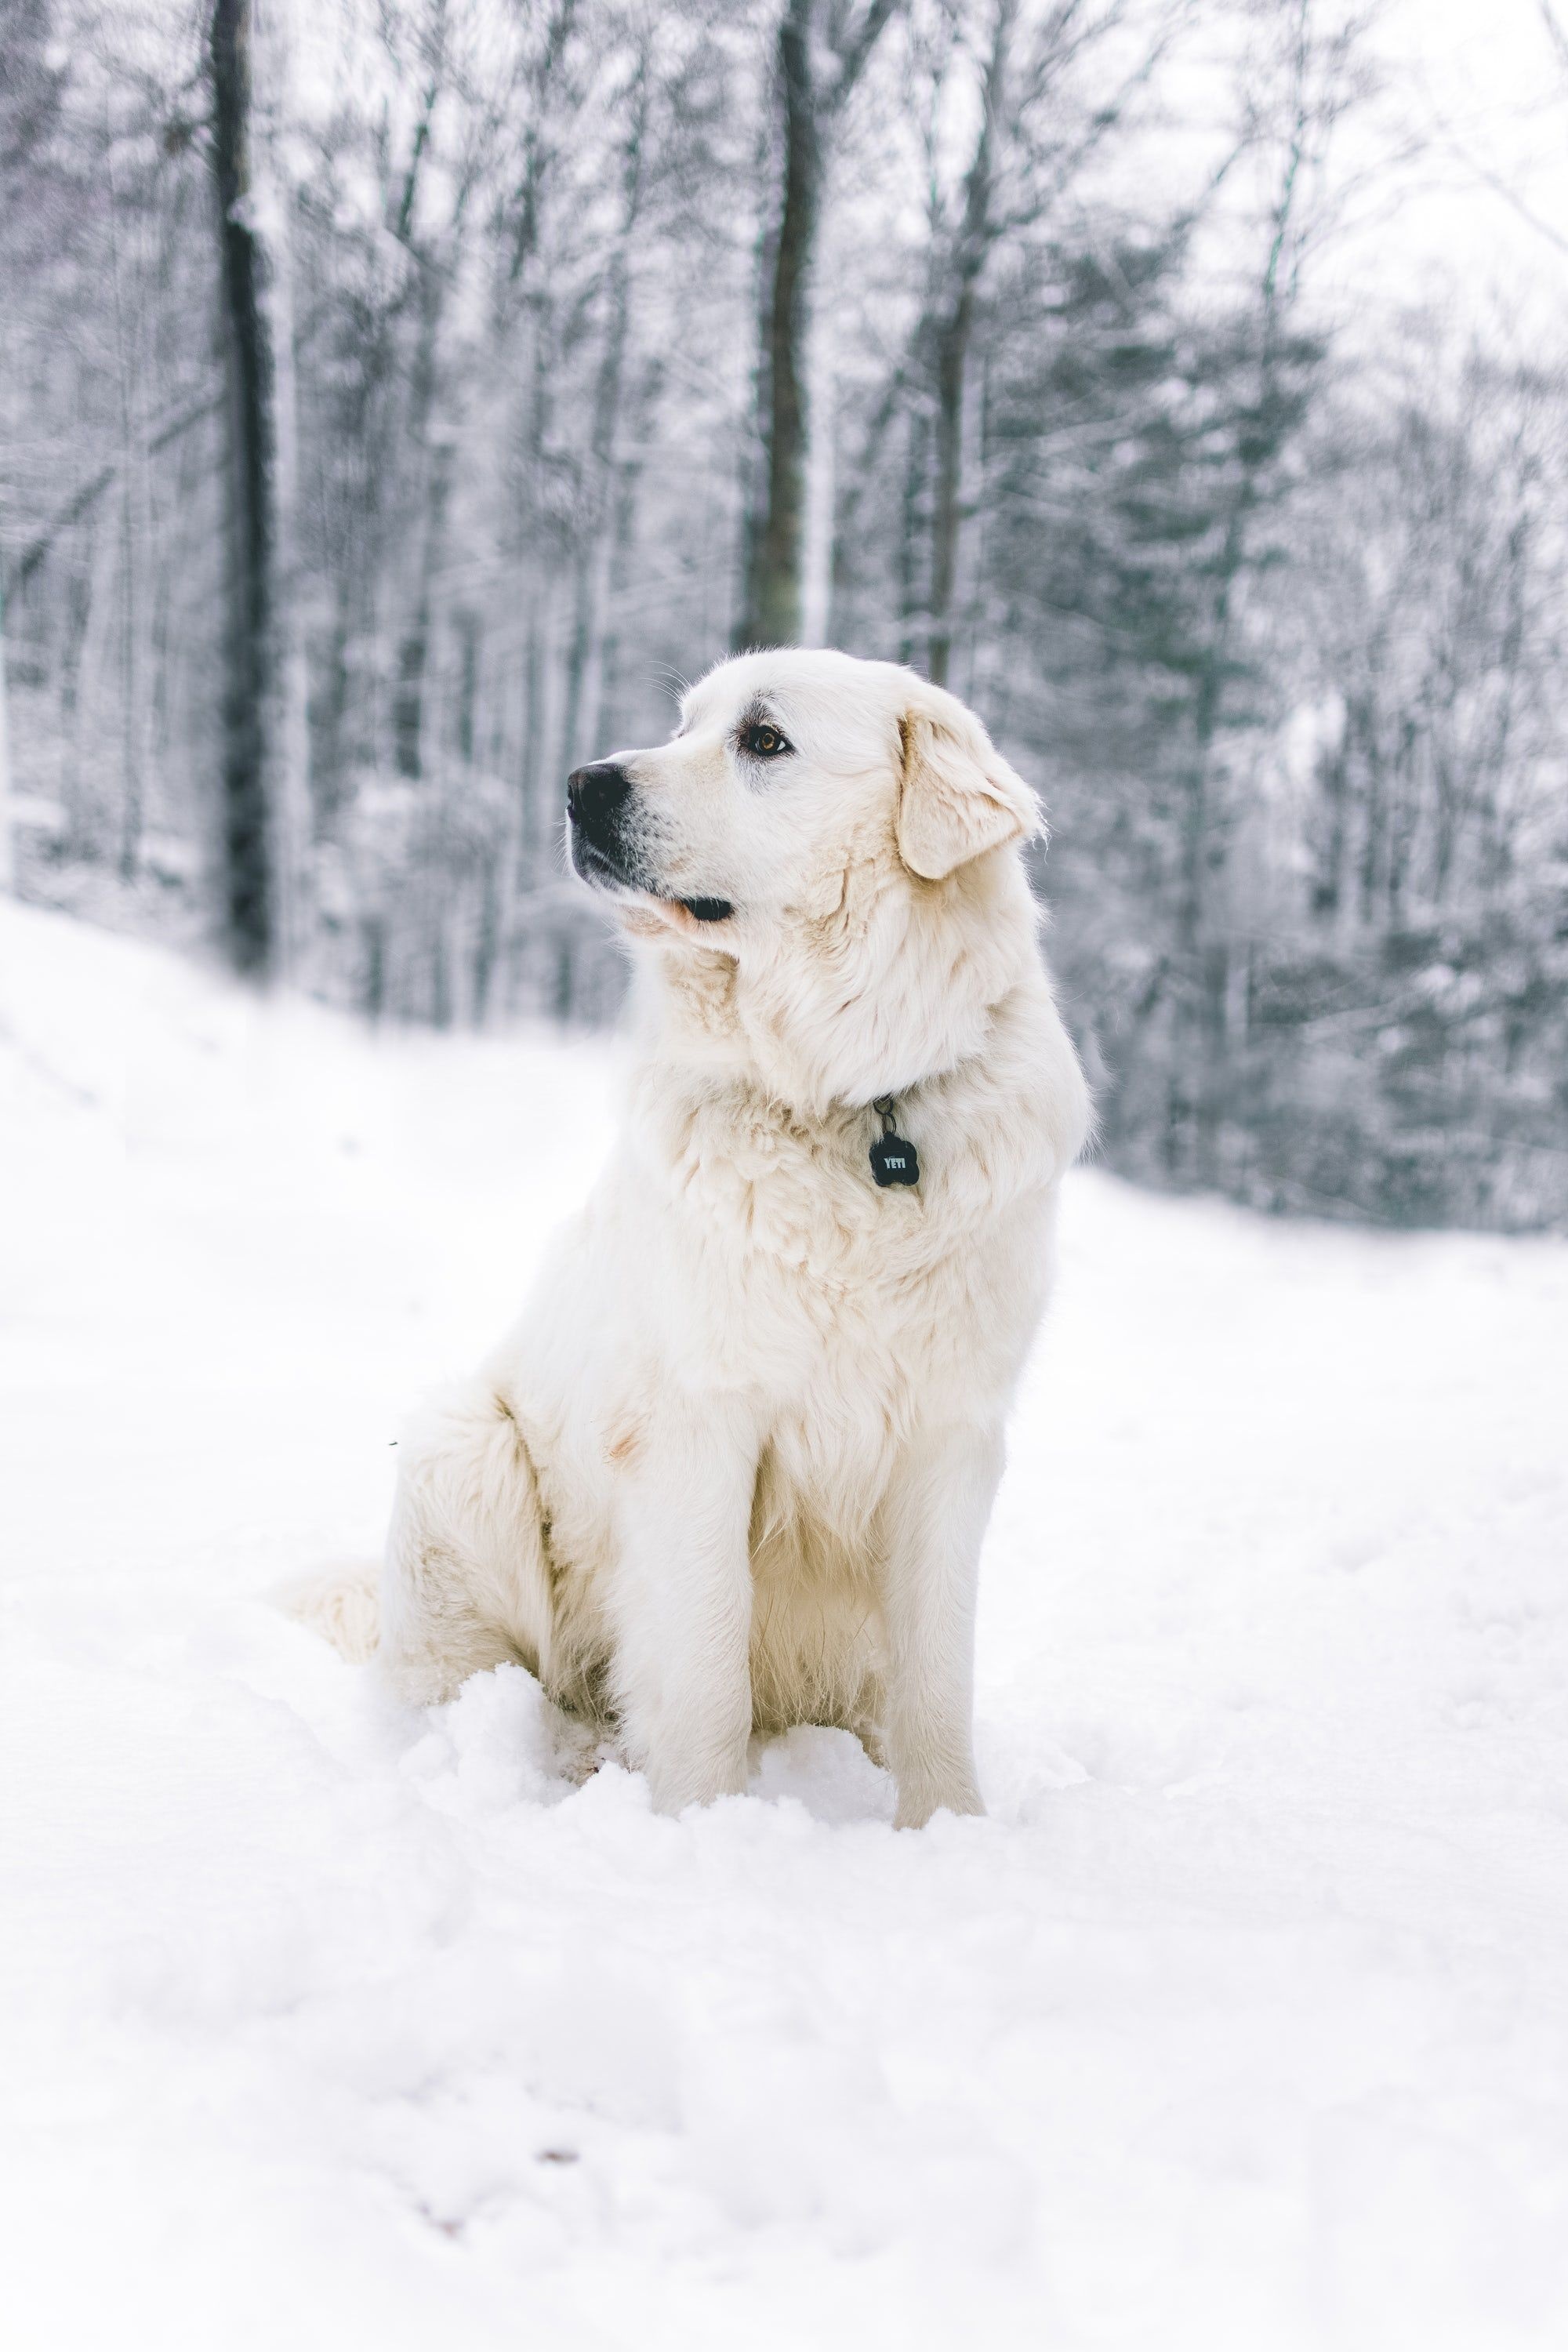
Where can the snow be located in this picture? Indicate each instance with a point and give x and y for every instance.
(1242, 2021)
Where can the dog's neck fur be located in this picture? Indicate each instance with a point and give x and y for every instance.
(853, 1005)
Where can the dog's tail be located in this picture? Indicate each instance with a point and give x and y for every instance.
(343, 1603)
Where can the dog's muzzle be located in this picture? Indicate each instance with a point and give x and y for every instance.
(597, 800)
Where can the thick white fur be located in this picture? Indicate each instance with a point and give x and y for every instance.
(732, 1470)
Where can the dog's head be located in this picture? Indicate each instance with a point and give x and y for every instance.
(786, 767)
(835, 827)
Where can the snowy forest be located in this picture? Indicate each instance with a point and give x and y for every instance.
(399, 399)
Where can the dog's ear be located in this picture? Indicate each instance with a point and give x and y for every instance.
(958, 796)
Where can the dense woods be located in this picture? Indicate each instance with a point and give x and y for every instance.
(397, 401)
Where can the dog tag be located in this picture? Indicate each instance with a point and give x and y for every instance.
(894, 1161)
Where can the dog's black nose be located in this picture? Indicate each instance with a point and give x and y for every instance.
(595, 795)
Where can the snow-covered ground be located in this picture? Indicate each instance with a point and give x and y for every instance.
(1243, 2021)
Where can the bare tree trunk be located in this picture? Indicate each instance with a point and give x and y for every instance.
(913, 620)
(585, 651)
(136, 551)
(772, 614)
(437, 453)
(817, 553)
(85, 661)
(603, 678)
(410, 712)
(1200, 999)
(1332, 780)
(249, 877)
(584, 660)
(954, 334)
(952, 352)
(7, 847)
(470, 628)
(487, 941)
(328, 788)
(1201, 1061)
(537, 632)
(771, 609)
(289, 737)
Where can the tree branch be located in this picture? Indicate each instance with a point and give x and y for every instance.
(86, 494)
(853, 56)
(1556, 32)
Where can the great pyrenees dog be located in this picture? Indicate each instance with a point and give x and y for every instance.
(732, 1468)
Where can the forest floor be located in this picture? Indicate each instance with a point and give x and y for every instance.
(1243, 2021)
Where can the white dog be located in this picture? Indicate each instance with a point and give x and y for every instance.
(733, 1469)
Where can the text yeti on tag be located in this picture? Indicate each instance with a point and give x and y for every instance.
(895, 1161)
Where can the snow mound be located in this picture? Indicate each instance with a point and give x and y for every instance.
(1242, 2021)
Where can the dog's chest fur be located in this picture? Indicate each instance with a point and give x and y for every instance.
(797, 1273)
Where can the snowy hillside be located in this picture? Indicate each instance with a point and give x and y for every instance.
(1242, 2022)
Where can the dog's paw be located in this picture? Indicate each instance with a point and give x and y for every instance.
(919, 1802)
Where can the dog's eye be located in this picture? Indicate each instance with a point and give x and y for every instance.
(763, 742)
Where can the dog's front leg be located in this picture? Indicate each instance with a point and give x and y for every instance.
(681, 1600)
(937, 1510)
